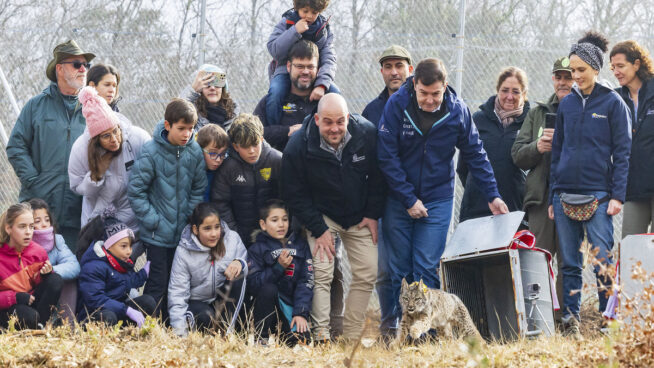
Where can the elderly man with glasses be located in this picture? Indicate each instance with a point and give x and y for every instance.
(41, 140)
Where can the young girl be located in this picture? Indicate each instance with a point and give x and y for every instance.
(101, 159)
(107, 277)
(28, 287)
(209, 256)
(281, 277)
(64, 263)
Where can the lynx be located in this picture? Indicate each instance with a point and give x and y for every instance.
(424, 309)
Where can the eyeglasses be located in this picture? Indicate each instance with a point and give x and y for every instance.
(215, 155)
(107, 136)
(303, 67)
(77, 64)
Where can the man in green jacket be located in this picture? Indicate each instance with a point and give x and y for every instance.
(532, 151)
(41, 140)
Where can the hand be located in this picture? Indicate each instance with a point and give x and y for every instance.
(371, 225)
(301, 324)
(544, 143)
(418, 210)
(146, 267)
(325, 246)
(550, 212)
(294, 128)
(301, 26)
(285, 258)
(135, 316)
(47, 268)
(317, 93)
(498, 207)
(233, 270)
(202, 80)
(103, 165)
(615, 207)
(24, 298)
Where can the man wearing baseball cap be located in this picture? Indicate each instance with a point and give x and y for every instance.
(532, 151)
(396, 66)
(41, 140)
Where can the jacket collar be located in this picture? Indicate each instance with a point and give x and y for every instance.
(599, 88)
(312, 137)
(453, 103)
(645, 94)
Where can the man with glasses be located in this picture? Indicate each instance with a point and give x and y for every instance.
(302, 67)
(41, 140)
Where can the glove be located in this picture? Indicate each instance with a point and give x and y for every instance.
(23, 298)
(135, 316)
(146, 267)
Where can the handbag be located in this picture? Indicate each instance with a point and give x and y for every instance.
(580, 207)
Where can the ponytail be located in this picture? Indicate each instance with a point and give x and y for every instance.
(9, 216)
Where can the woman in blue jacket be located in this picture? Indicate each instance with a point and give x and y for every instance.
(590, 162)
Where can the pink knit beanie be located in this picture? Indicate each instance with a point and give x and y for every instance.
(98, 114)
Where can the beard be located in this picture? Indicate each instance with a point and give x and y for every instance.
(302, 86)
(73, 82)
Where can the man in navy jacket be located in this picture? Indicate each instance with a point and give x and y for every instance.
(420, 128)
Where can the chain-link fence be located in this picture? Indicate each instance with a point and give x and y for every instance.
(154, 46)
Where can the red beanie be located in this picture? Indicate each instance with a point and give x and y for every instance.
(98, 114)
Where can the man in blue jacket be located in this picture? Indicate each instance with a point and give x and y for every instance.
(420, 128)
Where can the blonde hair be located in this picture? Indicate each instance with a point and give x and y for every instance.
(9, 216)
(246, 130)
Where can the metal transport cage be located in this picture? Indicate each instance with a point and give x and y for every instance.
(506, 291)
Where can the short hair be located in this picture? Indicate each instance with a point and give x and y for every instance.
(317, 5)
(212, 133)
(270, 205)
(246, 130)
(429, 71)
(180, 109)
(303, 49)
(633, 51)
(516, 72)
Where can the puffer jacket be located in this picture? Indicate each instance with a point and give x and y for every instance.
(192, 96)
(592, 142)
(166, 184)
(111, 190)
(294, 283)
(284, 36)
(526, 156)
(497, 142)
(193, 275)
(240, 189)
(102, 287)
(39, 147)
(64, 263)
(19, 273)
(640, 183)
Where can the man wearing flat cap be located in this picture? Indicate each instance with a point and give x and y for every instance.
(40, 142)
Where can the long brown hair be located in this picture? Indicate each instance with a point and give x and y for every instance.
(225, 102)
(9, 216)
(632, 52)
(202, 211)
(95, 152)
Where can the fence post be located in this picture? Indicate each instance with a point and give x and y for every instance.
(12, 99)
(460, 47)
(203, 15)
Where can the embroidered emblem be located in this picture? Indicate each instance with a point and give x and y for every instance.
(265, 173)
(357, 158)
(240, 178)
(598, 116)
(290, 270)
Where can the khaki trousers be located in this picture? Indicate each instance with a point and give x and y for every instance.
(362, 254)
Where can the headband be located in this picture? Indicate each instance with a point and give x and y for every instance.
(589, 53)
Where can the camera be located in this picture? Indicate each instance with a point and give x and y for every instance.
(533, 289)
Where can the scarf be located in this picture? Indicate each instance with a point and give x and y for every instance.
(45, 238)
(316, 30)
(507, 117)
(217, 115)
(117, 264)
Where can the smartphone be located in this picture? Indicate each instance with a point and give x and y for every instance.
(550, 120)
(218, 80)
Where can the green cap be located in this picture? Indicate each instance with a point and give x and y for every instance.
(63, 51)
(395, 52)
(562, 63)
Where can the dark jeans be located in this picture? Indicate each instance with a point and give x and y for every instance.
(46, 295)
(204, 314)
(157, 285)
(268, 317)
(144, 303)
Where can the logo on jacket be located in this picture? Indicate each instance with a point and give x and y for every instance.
(290, 270)
(382, 128)
(598, 116)
(357, 158)
(289, 107)
(275, 253)
(650, 112)
(240, 178)
(265, 173)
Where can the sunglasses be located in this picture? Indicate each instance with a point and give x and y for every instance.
(77, 64)
(215, 155)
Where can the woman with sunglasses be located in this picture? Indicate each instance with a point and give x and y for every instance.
(101, 159)
(588, 174)
(208, 93)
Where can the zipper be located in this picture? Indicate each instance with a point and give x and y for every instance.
(213, 281)
(177, 191)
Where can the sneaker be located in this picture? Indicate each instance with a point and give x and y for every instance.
(571, 326)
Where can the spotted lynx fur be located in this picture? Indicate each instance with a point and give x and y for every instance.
(424, 309)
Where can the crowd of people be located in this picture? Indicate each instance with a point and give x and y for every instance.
(235, 209)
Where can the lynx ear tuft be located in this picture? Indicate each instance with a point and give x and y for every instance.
(423, 287)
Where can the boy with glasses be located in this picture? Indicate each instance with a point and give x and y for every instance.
(214, 142)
